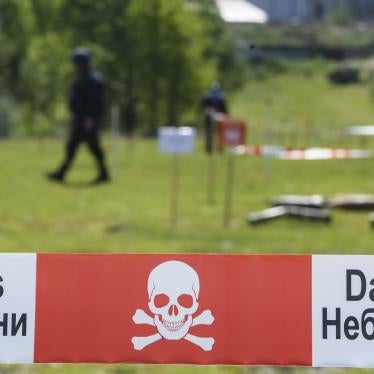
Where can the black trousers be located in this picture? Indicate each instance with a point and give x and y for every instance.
(209, 129)
(79, 135)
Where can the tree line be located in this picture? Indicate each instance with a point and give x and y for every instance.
(157, 56)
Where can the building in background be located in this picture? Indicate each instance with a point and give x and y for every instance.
(241, 11)
(297, 11)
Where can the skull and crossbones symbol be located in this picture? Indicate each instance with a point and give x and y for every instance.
(173, 291)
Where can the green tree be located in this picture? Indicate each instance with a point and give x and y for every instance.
(158, 55)
(152, 52)
(15, 27)
(44, 71)
(340, 16)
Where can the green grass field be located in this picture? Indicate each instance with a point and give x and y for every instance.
(306, 110)
(132, 214)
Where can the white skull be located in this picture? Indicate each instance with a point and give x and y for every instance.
(173, 290)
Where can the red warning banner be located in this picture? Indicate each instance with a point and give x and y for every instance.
(195, 309)
(198, 309)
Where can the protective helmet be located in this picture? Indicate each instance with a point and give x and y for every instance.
(81, 54)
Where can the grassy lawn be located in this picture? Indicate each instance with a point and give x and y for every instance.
(306, 108)
(132, 214)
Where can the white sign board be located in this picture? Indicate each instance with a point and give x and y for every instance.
(176, 140)
(343, 311)
(17, 307)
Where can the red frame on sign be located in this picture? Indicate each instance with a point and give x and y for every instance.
(231, 132)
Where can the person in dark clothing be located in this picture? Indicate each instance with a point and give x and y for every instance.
(213, 101)
(86, 103)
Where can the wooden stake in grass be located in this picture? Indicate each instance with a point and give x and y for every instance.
(211, 178)
(232, 134)
(267, 135)
(176, 141)
(174, 192)
(230, 173)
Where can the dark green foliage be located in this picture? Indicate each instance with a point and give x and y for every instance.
(345, 75)
(157, 55)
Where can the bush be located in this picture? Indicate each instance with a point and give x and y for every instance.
(345, 75)
(340, 16)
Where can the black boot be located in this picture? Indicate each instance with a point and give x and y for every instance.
(56, 176)
(103, 177)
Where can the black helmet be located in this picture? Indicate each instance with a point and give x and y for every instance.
(81, 54)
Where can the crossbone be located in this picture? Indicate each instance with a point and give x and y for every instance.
(142, 318)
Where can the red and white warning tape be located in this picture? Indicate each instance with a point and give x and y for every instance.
(303, 154)
(196, 309)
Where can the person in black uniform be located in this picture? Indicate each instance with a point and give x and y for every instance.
(212, 101)
(86, 102)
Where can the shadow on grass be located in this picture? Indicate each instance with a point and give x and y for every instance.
(76, 184)
(80, 184)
